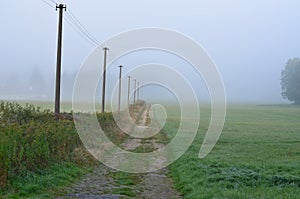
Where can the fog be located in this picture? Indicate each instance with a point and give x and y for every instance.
(249, 42)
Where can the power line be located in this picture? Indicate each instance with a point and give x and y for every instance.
(81, 29)
(46, 2)
(53, 2)
(56, 1)
(80, 24)
(75, 23)
(79, 32)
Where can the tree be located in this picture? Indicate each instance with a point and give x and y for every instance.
(290, 80)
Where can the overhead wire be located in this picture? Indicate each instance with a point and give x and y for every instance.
(81, 29)
(80, 24)
(46, 2)
(75, 23)
(54, 2)
(80, 33)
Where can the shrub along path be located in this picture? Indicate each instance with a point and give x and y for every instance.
(107, 183)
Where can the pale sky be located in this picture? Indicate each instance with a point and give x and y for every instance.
(250, 41)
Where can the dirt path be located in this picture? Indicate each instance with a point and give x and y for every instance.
(106, 183)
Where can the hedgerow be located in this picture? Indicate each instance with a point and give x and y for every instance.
(31, 140)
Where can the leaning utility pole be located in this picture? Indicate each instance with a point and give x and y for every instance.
(120, 76)
(128, 97)
(61, 7)
(134, 92)
(104, 79)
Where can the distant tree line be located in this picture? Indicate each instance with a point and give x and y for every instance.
(35, 86)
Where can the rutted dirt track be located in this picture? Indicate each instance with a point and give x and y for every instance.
(103, 184)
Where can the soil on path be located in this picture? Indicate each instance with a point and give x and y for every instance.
(106, 183)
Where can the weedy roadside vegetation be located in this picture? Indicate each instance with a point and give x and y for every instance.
(39, 153)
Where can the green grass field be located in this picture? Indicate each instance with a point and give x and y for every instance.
(257, 156)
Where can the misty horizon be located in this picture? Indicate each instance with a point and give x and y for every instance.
(250, 42)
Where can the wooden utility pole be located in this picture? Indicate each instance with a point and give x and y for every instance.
(134, 92)
(61, 8)
(138, 91)
(120, 84)
(104, 79)
(128, 97)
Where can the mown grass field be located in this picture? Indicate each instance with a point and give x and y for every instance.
(257, 156)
